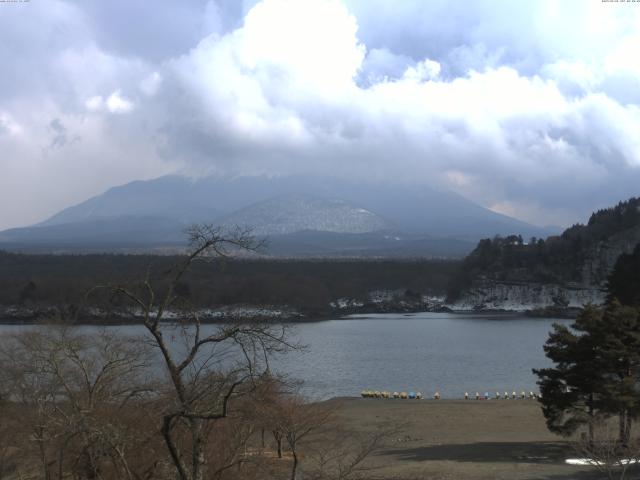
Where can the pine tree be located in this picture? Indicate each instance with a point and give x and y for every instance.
(596, 370)
(570, 390)
(619, 356)
(624, 281)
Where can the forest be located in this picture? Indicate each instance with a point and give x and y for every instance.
(306, 285)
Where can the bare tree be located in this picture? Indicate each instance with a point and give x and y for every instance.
(8, 446)
(294, 419)
(210, 366)
(604, 450)
(75, 391)
(342, 455)
(269, 394)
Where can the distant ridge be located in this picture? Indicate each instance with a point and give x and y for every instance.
(154, 213)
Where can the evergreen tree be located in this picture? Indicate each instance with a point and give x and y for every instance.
(570, 393)
(618, 342)
(624, 281)
(596, 370)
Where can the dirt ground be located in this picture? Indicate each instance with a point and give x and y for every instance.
(462, 439)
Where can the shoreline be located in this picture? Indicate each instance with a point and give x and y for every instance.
(9, 315)
(50, 317)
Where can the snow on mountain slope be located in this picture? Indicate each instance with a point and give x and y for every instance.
(295, 213)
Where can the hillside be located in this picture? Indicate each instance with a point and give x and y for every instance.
(570, 269)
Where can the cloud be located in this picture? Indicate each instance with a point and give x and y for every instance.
(423, 71)
(512, 136)
(114, 103)
(95, 103)
(528, 108)
(381, 64)
(151, 84)
(8, 126)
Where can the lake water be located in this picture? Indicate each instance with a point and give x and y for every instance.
(451, 353)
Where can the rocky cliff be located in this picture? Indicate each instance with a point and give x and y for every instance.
(562, 272)
(603, 255)
(493, 295)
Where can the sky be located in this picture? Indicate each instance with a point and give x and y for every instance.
(528, 108)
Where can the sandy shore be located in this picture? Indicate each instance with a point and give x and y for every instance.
(458, 439)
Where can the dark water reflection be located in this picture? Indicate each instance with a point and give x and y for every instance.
(452, 353)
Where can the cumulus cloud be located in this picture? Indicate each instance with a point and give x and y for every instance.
(494, 133)
(116, 103)
(530, 109)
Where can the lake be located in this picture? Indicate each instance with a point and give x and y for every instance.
(449, 352)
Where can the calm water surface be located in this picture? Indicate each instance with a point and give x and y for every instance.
(452, 353)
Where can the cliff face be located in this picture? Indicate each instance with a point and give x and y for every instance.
(489, 290)
(602, 257)
(492, 295)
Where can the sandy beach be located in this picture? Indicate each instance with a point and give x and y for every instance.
(455, 439)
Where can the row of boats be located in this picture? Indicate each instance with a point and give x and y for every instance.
(385, 394)
(523, 395)
(418, 395)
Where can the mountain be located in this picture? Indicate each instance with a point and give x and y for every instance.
(154, 213)
(566, 270)
(171, 196)
(95, 234)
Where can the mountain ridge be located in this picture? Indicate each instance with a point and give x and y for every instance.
(341, 206)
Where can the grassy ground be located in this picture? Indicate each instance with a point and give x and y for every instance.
(458, 439)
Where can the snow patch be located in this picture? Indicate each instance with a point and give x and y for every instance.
(519, 297)
(346, 303)
(591, 461)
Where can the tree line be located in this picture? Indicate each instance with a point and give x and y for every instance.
(307, 285)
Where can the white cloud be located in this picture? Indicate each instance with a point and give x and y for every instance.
(313, 44)
(424, 70)
(116, 103)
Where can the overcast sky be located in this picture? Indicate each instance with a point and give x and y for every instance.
(529, 108)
